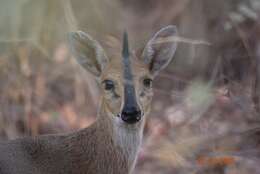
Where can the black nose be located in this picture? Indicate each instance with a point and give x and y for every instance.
(131, 115)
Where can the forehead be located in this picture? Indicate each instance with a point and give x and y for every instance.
(114, 69)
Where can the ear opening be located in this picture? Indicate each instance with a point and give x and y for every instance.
(88, 52)
(160, 49)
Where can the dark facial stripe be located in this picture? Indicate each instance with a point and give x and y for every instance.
(128, 77)
(129, 89)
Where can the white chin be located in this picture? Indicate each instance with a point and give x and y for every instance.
(120, 123)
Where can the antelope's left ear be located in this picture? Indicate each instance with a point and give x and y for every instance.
(160, 49)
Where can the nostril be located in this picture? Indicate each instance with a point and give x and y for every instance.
(131, 112)
(131, 115)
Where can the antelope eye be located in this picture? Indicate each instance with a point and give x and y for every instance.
(108, 85)
(147, 82)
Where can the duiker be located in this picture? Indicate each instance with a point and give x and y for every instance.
(110, 145)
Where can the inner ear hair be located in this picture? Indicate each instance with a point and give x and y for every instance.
(88, 52)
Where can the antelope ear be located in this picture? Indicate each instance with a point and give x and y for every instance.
(160, 49)
(88, 52)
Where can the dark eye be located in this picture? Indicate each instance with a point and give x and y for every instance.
(147, 82)
(108, 85)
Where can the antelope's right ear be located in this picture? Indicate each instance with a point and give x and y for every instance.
(88, 52)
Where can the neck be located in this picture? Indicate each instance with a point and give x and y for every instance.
(125, 136)
(113, 140)
(129, 140)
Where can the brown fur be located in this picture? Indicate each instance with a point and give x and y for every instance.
(110, 145)
(65, 154)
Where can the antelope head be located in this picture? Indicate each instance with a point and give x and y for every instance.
(126, 78)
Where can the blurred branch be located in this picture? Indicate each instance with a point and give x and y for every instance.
(69, 16)
(256, 90)
(182, 40)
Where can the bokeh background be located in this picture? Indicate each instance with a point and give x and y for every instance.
(206, 110)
